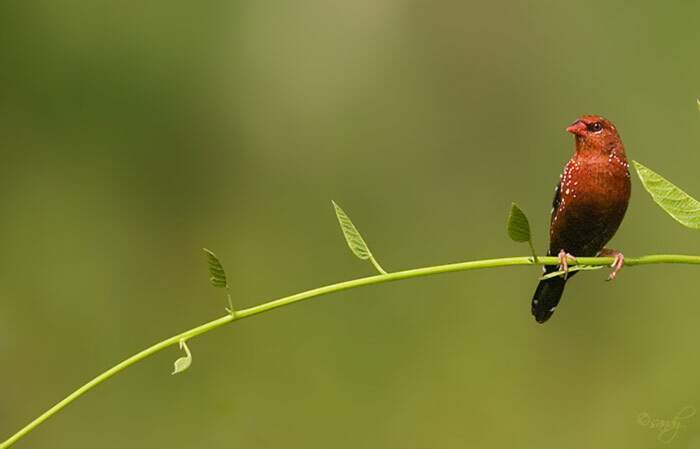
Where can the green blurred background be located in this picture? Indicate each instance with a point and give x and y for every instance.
(134, 134)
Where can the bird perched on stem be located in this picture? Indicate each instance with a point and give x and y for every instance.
(589, 204)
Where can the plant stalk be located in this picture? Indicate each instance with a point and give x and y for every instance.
(347, 285)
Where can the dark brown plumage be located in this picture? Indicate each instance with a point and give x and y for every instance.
(589, 205)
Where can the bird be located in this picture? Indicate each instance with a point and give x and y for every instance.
(589, 204)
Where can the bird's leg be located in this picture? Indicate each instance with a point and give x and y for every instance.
(564, 262)
(617, 264)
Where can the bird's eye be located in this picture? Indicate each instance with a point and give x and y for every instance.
(595, 127)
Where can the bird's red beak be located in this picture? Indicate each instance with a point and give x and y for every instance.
(578, 128)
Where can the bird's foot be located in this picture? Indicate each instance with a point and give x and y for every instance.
(617, 264)
(564, 262)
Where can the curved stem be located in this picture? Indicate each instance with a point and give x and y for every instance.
(347, 285)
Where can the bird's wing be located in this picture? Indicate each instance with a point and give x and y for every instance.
(555, 202)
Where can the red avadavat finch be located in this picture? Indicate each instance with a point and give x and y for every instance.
(589, 204)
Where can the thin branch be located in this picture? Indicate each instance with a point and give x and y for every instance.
(347, 285)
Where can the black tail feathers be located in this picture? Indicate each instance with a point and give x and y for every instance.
(547, 297)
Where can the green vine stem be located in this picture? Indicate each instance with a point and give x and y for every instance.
(347, 285)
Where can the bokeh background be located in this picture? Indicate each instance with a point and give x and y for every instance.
(133, 134)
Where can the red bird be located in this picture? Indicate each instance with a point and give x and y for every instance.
(589, 204)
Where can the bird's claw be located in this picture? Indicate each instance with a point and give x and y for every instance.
(564, 262)
(617, 264)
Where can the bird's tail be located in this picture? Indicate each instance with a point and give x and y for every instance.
(547, 296)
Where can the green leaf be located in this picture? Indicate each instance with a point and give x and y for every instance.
(183, 363)
(518, 225)
(698, 100)
(571, 270)
(678, 204)
(352, 235)
(217, 275)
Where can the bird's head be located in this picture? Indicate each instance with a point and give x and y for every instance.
(595, 133)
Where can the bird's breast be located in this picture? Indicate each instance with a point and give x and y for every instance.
(594, 193)
(601, 180)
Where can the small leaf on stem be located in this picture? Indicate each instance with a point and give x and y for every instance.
(354, 239)
(183, 363)
(217, 277)
(682, 207)
(519, 228)
(352, 235)
(518, 225)
(216, 270)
